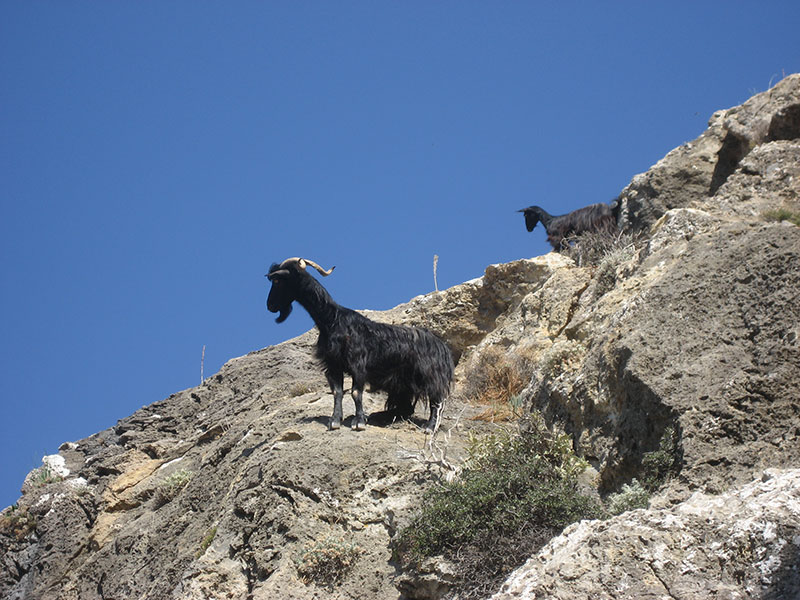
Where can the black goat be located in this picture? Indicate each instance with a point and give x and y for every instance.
(595, 218)
(408, 363)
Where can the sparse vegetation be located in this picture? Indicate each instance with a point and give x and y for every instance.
(656, 469)
(782, 214)
(298, 389)
(630, 497)
(495, 379)
(44, 475)
(599, 248)
(209, 537)
(657, 465)
(517, 490)
(327, 561)
(557, 357)
(172, 486)
(16, 521)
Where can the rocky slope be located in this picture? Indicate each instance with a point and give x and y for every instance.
(228, 490)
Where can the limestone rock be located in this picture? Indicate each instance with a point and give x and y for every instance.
(690, 174)
(741, 544)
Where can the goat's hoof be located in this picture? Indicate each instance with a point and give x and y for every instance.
(429, 428)
(334, 424)
(359, 425)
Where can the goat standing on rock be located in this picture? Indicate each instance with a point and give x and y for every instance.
(408, 363)
(595, 218)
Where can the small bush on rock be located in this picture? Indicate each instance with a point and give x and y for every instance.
(559, 357)
(298, 389)
(515, 492)
(657, 465)
(631, 497)
(325, 562)
(172, 486)
(206, 542)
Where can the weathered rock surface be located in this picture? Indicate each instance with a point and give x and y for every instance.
(695, 171)
(741, 544)
(217, 491)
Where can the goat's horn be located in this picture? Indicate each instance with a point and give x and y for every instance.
(306, 262)
(290, 261)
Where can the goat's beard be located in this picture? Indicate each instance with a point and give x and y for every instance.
(285, 311)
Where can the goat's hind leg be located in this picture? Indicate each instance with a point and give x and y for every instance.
(336, 381)
(360, 420)
(436, 416)
(398, 406)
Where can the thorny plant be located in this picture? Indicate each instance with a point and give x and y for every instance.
(434, 452)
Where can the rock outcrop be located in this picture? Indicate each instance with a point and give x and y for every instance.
(740, 544)
(227, 490)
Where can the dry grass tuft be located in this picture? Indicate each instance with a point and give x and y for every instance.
(594, 248)
(495, 380)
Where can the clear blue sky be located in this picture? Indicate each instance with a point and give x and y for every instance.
(156, 157)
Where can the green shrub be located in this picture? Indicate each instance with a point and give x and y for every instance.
(325, 562)
(631, 497)
(657, 465)
(515, 492)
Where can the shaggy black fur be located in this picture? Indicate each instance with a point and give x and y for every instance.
(595, 218)
(408, 363)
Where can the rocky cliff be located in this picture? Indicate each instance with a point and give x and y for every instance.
(687, 334)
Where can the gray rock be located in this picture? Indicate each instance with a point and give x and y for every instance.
(741, 544)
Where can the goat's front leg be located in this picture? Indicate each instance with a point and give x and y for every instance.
(336, 381)
(360, 420)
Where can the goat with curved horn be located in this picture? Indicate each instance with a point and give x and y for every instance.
(408, 363)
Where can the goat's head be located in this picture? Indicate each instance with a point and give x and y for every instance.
(531, 217)
(286, 281)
